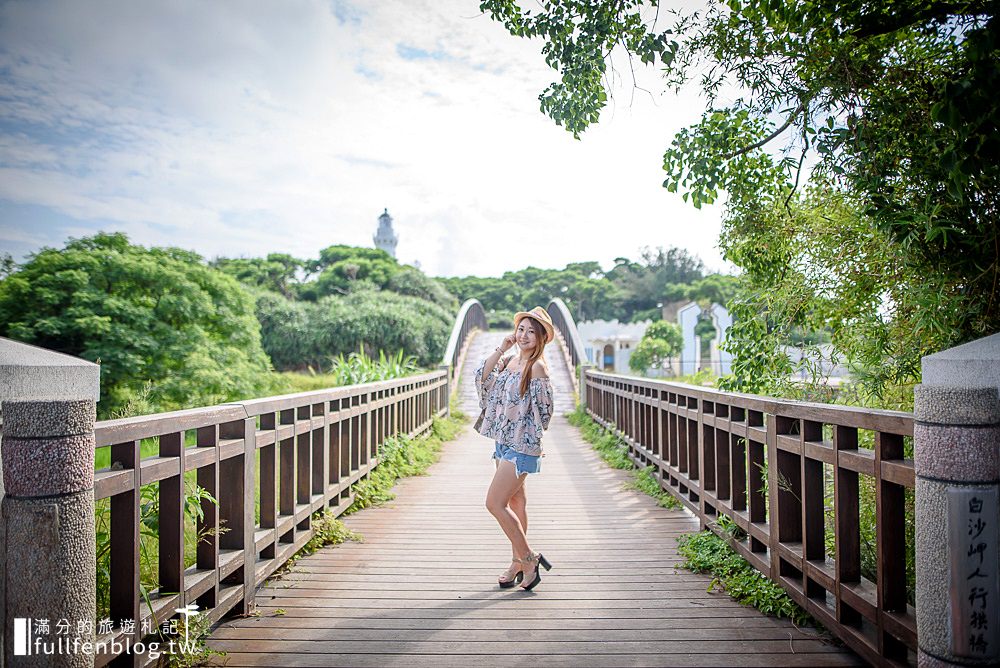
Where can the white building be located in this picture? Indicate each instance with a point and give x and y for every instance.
(608, 345)
(719, 361)
(385, 239)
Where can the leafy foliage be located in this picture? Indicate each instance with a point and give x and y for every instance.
(707, 553)
(191, 648)
(157, 316)
(7, 265)
(358, 368)
(578, 37)
(612, 449)
(645, 481)
(298, 334)
(327, 530)
(149, 531)
(845, 279)
(629, 291)
(276, 272)
(646, 284)
(661, 341)
(886, 114)
(712, 289)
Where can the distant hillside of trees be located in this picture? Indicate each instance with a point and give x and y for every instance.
(172, 330)
(629, 291)
(310, 311)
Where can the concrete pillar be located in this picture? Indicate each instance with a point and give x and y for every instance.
(956, 439)
(29, 372)
(48, 470)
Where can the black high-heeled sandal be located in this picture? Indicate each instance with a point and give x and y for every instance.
(507, 584)
(540, 562)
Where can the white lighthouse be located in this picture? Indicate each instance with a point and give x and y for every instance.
(385, 238)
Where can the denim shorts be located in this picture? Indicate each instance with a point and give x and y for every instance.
(522, 463)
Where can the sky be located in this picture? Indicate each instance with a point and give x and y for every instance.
(238, 129)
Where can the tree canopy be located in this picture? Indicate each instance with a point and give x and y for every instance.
(339, 270)
(884, 114)
(629, 291)
(661, 341)
(157, 316)
(276, 272)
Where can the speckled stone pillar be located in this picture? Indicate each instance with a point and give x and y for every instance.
(956, 438)
(48, 472)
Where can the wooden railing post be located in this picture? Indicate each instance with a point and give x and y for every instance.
(957, 459)
(713, 450)
(237, 477)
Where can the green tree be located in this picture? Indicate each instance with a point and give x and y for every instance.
(157, 315)
(276, 272)
(411, 281)
(888, 109)
(300, 334)
(660, 342)
(348, 274)
(331, 255)
(7, 265)
(713, 289)
(846, 281)
(493, 293)
(588, 292)
(643, 285)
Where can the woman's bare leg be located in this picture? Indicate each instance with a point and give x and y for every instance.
(519, 504)
(505, 484)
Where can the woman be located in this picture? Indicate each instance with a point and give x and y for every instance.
(516, 399)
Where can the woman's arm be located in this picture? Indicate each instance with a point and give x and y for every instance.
(496, 355)
(492, 359)
(485, 375)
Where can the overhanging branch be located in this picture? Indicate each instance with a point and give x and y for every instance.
(757, 144)
(871, 25)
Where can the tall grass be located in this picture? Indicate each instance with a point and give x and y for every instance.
(358, 368)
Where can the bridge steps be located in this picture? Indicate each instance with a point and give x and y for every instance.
(421, 590)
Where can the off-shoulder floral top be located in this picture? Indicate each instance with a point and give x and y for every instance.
(512, 419)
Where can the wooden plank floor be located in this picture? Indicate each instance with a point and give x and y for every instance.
(421, 590)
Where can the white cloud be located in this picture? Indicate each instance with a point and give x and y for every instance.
(245, 128)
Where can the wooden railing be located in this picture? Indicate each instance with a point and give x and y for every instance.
(572, 346)
(297, 454)
(470, 317)
(769, 466)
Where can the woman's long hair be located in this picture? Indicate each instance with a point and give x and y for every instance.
(536, 354)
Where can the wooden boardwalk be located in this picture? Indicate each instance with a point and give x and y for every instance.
(421, 590)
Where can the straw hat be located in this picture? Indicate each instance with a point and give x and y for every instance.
(542, 316)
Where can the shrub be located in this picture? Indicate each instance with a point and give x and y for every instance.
(301, 334)
(156, 316)
(707, 553)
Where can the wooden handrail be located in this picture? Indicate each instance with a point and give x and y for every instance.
(300, 452)
(768, 464)
(570, 338)
(470, 317)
